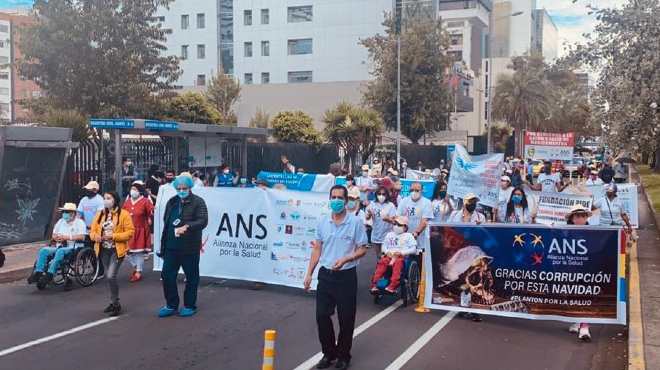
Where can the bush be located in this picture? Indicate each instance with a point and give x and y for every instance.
(295, 127)
(67, 118)
(192, 107)
(260, 119)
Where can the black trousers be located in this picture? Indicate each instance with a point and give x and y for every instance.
(172, 261)
(336, 289)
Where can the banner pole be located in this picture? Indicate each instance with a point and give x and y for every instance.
(269, 350)
(422, 289)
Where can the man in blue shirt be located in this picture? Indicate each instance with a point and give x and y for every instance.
(341, 240)
(225, 178)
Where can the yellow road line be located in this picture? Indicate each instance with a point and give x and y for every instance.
(635, 328)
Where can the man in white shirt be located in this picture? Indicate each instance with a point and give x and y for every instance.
(417, 209)
(341, 240)
(594, 179)
(69, 232)
(548, 182)
(612, 212)
(365, 183)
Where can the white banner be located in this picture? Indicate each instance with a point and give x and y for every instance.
(553, 207)
(254, 234)
(550, 153)
(418, 175)
(476, 174)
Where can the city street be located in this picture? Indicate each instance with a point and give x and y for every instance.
(228, 332)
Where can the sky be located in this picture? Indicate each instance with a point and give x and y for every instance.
(573, 20)
(13, 4)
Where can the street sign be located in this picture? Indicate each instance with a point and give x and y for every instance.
(160, 125)
(111, 123)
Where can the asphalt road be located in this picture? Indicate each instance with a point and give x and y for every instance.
(227, 333)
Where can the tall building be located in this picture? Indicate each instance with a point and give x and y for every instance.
(545, 39)
(13, 89)
(467, 24)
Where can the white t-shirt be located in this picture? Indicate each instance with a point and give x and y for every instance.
(549, 182)
(610, 211)
(503, 200)
(364, 181)
(77, 227)
(415, 211)
(88, 207)
(380, 227)
(457, 218)
(403, 243)
(519, 216)
(598, 181)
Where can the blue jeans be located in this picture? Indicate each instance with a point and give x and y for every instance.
(46, 252)
(190, 263)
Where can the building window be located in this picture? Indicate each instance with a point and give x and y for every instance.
(185, 21)
(2, 43)
(265, 78)
(247, 17)
(247, 78)
(300, 46)
(4, 91)
(184, 52)
(297, 14)
(201, 20)
(201, 80)
(4, 107)
(455, 24)
(300, 76)
(265, 16)
(265, 48)
(456, 39)
(4, 75)
(201, 51)
(4, 28)
(4, 60)
(247, 49)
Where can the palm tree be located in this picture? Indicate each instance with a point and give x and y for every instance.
(522, 99)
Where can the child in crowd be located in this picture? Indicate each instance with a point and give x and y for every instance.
(396, 245)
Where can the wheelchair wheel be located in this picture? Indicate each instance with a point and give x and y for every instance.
(412, 286)
(85, 267)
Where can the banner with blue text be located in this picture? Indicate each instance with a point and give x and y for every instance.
(573, 274)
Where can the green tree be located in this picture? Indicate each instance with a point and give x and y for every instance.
(68, 119)
(260, 119)
(295, 127)
(425, 96)
(101, 58)
(223, 92)
(624, 50)
(191, 107)
(354, 130)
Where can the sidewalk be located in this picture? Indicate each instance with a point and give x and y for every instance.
(648, 256)
(19, 262)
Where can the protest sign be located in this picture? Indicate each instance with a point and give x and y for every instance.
(296, 181)
(418, 175)
(428, 186)
(476, 174)
(549, 146)
(254, 234)
(552, 207)
(573, 274)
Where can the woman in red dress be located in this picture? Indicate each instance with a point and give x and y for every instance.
(141, 210)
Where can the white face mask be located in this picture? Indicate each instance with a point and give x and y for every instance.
(415, 195)
(135, 194)
(108, 203)
(398, 229)
(381, 198)
(365, 174)
(225, 171)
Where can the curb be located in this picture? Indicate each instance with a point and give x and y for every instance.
(14, 275)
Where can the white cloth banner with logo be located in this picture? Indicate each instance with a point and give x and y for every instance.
(476, 174)
(552, 207)
(254, 234)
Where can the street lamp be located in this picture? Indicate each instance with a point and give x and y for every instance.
(491, 37)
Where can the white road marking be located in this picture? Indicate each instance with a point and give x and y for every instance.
(421, 342)
(359, 330)
(33, 343)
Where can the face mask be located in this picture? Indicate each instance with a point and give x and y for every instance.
(91, 194)
(169, 180)
(547, 170)
(443, 194)
(365, 174)
(67, 217)
(415, 195)
(109, 203)
(183, 193)
(135, 194)
(517, 199)
(349, 183)
(611, 194)
(471, 207)
(337, 205)
(381, 198)
(398, 229)
(225, 171)
(351, 204)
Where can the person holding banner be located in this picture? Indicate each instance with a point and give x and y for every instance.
(593, 179)
(381, 212)
(441, 204)
(340, 242)
(185, 217)
(517, 209)
(469, 214)
(366, 184)
(578, 215)
(612, 212)
(548, 181)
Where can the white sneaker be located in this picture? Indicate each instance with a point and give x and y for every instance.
(574, 328)
(584, 333)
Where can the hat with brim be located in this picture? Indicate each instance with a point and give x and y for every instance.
(470, 196)
(69, 207)
(354, 192)
(576, 209)
(401, 220)
(505, 178)
(92, 185)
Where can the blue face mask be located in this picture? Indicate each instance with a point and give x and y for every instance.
(443, 194)
(337, 205)
(183, 194)
(517, 199)
(67, 217)
(351, 204)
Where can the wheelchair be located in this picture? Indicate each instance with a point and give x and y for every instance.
(409, 284)
(81, 265)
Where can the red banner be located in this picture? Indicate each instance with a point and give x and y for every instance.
(550, 139)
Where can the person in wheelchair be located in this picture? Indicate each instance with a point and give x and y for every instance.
(68, 234)
(397, 244)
